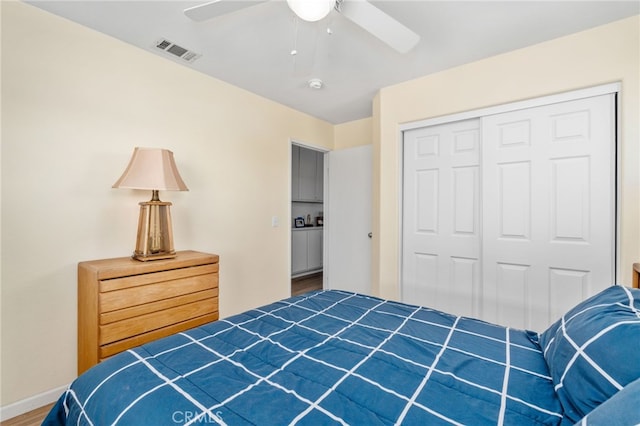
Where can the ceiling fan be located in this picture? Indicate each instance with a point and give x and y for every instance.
(361, 12)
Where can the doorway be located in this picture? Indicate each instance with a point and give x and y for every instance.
(345, 220)
(307, 218)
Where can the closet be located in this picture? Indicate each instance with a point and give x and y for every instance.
(509, 216)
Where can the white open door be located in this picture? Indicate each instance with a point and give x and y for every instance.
(348, 220)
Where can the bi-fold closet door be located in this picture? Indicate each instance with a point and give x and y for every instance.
(510, 217)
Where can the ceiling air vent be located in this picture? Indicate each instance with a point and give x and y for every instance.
(175, 50)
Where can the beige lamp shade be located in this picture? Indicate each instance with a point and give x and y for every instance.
(152, 168)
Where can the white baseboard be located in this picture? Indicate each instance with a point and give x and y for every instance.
(29, 404)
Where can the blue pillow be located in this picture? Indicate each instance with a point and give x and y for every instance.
(623, 409)
(592, 351)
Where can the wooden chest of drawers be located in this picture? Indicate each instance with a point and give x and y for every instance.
(123, 303)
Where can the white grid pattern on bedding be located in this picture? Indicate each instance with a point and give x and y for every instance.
(412, 400)
(377, 306)
(312, 404)
(581, 349)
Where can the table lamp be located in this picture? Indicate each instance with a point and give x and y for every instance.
(153, 169)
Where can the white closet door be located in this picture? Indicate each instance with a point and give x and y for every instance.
(441, 225)
(548, 197)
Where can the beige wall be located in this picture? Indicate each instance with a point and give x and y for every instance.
(352, 134)
(606, 54)
(74, 105)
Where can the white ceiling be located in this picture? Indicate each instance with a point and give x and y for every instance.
(251, 48)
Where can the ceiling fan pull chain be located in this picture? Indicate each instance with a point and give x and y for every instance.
(294, 51)
(329, 20)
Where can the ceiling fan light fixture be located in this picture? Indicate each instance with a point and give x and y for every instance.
(311, 10)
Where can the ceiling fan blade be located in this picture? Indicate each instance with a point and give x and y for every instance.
(216, 8)
(381, 25)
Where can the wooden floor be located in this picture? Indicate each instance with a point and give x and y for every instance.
(305, 284)
(32, 418)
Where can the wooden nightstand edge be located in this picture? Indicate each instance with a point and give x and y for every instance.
(125, 266)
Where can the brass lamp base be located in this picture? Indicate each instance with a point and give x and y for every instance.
(155, 235)
(143, 258)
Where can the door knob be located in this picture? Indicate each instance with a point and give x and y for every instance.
(370, 234)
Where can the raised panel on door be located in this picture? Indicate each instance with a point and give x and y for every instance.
(570, 199)
(465, 200)
(420, 282)
(512, 287)
(427, 198)
(513, 192)
(464, 286)
(567, 287)
(441, 217)
(548, 172)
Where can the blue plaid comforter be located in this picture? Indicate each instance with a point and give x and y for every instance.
(328, 357)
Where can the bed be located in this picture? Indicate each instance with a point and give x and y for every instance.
(334, 357)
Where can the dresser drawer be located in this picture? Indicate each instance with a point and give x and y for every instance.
(128, 297)
(133, 281)
(160, 305)
(121, 345)
(144, 323)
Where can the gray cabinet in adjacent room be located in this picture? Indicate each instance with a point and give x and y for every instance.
(306, 250)
(307, 177)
